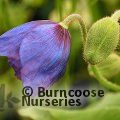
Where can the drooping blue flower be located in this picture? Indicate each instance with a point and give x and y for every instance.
(38, 52)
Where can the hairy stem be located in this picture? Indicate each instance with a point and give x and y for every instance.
(71, 18)
(103, 80)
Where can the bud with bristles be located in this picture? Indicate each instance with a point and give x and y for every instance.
(102, 40)
(116, 17)
(109, 68)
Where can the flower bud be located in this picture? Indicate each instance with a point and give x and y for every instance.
(108, 68)
(38, 51)
(116, 17)
(102, 40)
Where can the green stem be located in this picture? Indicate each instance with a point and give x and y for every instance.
(67, 79)
(103, 80)
(67, 21)
(74, 4)
(59, 8)
(6, 10)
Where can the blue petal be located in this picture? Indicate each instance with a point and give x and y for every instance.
(10, 43)
(44, 53)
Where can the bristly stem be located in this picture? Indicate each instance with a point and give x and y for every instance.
(103, 80)
(67, 21)
(71, 18)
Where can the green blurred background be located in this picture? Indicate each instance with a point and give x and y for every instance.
(17, 12)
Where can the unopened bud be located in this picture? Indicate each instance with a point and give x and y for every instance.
(102, 40)
(109, 68)
(116, 17)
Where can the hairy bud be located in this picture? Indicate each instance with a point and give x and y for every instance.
(102, 40)
(109, 68)
(116, 17)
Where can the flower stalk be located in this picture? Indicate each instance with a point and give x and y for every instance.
(103, 80)
(71, 18)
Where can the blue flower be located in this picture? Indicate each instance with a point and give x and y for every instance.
(38, 52)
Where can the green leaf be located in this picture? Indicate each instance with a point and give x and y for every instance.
(106, 109)
(9, 95)
(12, 15)
(33, 3)
(116, 79)
(15, 100)
(10, 104)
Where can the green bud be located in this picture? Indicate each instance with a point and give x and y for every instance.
(110, 68)
(116, 17)
(101, 41)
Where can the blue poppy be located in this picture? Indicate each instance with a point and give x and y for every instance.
(38, 52)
